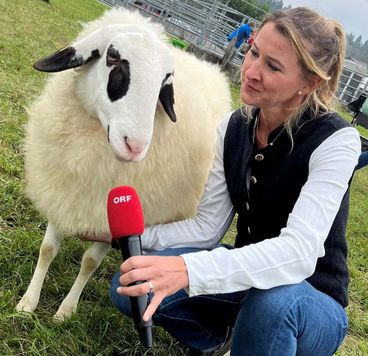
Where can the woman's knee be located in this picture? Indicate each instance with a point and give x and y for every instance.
(271, 303)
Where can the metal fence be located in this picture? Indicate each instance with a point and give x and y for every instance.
(206, 24)
(352, 85)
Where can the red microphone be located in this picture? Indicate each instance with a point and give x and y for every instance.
(124, 212)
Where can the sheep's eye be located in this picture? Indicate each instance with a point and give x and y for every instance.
(119, 80)
(112, 59)
(113, 56)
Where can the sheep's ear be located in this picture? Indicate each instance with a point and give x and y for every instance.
(79, 53)
(167, 97)
(63, 59)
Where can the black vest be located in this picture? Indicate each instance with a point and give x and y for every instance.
(264, 185)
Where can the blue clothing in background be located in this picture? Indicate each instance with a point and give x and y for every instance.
(242, 34)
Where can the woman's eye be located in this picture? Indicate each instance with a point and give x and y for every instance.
(253, 52)
(273, 68)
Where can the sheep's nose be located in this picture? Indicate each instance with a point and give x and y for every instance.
(134, 146)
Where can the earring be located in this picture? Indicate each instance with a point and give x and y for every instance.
(299, 92)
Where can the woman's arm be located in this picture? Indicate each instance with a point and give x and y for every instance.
(292, 256)
(214, 215)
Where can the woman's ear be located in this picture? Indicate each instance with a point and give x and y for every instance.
(312, 84)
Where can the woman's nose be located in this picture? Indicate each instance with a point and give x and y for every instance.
(252, 70)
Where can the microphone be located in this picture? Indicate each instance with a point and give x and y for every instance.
(125, 216)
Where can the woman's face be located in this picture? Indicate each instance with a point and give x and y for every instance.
(272, 78)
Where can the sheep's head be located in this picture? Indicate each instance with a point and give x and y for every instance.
(123, 71)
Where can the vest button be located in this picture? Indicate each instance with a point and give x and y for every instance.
(259, 157)
(253, 179)
(247, 205)
(248, 230)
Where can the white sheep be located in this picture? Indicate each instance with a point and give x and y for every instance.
(107, 123)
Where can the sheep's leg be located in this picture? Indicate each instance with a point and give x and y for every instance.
(48, 250)
(90, 261)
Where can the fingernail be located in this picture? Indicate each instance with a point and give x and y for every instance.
(119, 290)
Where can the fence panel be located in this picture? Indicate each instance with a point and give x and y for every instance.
(206, 24)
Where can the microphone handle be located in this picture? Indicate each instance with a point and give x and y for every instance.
(131, 246)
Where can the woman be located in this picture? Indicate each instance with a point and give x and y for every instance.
(283, 164)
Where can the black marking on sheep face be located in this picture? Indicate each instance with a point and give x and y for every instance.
(166, 97)
(119, 77)
(63, 59)
(94, 54)
(167, 76)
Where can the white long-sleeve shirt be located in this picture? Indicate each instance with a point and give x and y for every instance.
(288, 258)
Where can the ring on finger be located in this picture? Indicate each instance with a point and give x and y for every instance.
(151, 288)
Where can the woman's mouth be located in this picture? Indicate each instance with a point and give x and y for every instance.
(250, 88)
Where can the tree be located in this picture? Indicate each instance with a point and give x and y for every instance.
(358, 42)
(356, 48)
(273, 5)
(250, 8)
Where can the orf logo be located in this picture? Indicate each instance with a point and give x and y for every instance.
(122, 199)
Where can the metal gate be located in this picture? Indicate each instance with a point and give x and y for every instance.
(206, 24)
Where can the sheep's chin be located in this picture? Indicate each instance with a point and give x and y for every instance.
(126, 158)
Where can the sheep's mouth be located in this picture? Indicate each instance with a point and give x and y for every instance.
(127, 159)
(126, 151)
(121, 159)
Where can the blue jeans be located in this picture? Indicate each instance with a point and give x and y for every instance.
(288, 320)
(363, 160)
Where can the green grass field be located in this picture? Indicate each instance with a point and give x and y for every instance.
(29, 30)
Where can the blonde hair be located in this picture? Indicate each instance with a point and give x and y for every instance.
(319, 44)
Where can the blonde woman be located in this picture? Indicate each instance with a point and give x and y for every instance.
(283, 164)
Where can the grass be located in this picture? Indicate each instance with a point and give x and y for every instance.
(29, 30)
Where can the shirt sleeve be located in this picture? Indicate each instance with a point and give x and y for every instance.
(290, 257)
(214, 214)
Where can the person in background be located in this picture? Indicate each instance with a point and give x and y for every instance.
(283, 164)
(241, 34)
(360, 107)
(249, 43)
(236, 39)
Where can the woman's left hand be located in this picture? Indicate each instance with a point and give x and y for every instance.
(166, 275)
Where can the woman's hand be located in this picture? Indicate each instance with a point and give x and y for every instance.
(166, 276)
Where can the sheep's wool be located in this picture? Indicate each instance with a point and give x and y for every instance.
(70, 167)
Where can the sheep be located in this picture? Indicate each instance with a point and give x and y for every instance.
(107, 118)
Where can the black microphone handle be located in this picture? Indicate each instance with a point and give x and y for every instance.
(131, 246)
